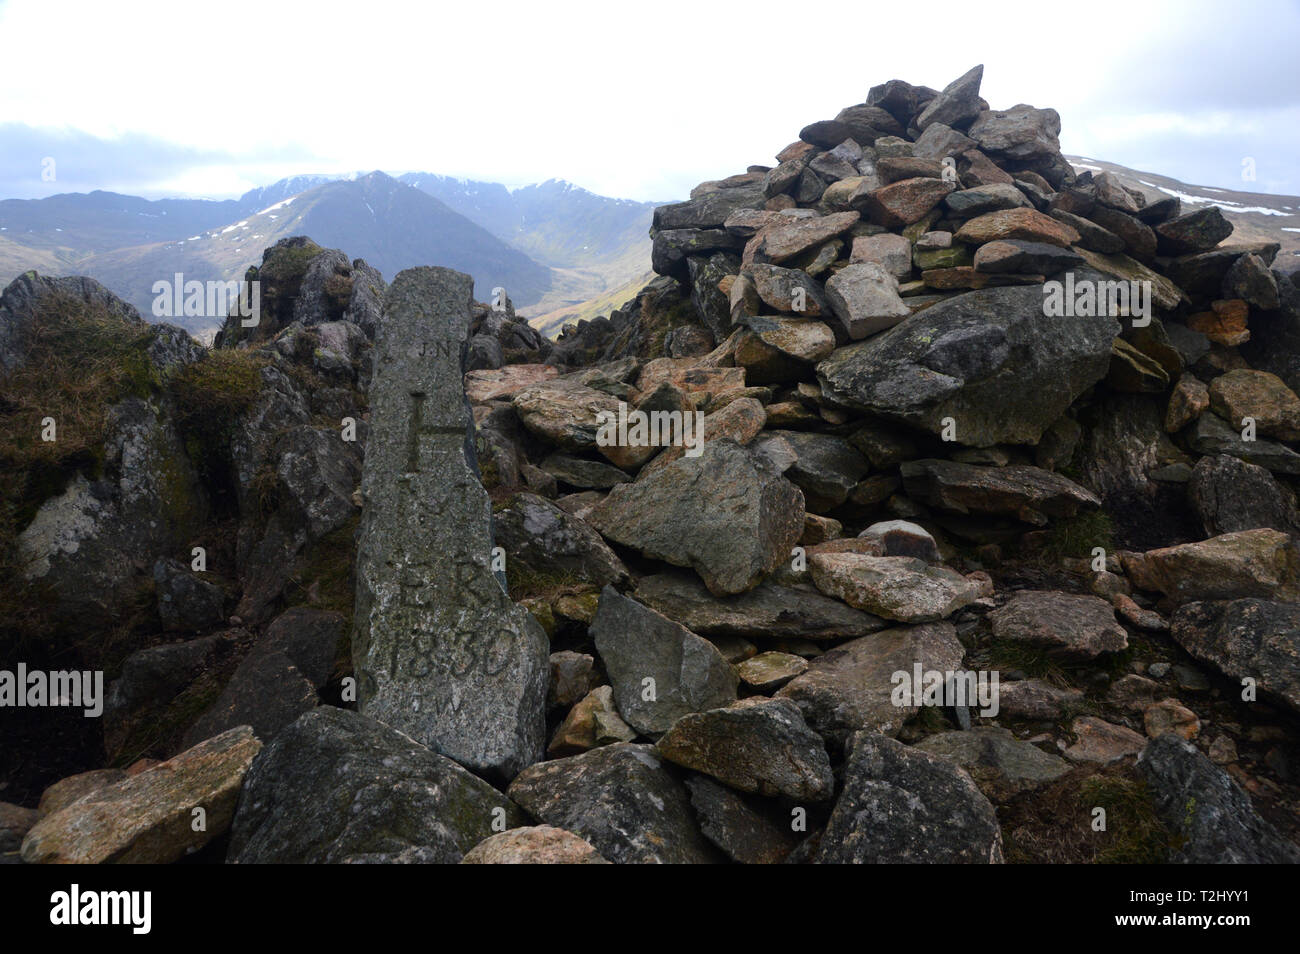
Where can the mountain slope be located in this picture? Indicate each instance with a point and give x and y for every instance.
(391, 225)
(598, 244)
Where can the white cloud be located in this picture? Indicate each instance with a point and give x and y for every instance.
(637, 100)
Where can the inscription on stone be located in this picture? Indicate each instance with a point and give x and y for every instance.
(440, 650)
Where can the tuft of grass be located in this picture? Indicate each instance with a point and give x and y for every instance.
(1053, 824)
(81, 360)
(1137, 836)
(1078, 535)
(1037, 662)
(525, 582)
(210, 395)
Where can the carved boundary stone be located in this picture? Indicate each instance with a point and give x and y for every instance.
(440, 651)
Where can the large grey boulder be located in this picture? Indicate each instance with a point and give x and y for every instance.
(622, 798)
(904, 806)
(1201, 803)
(990, 360)
(1246, 639)
(337, 787)
(727, 513)
(440, 650)
(660, 670)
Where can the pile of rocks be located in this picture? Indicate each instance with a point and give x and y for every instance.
(891, 467)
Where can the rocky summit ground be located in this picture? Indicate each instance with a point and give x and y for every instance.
(370, 581)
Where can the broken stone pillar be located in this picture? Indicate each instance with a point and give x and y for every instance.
(440, 651)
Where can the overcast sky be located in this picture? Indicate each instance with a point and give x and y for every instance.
(637, 100)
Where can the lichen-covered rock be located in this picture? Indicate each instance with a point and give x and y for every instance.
(755, 745)
(1261, 563)
(1253, 639)
(726, 513)
(904, 806)
(660, 670)
(622, 799)
(337, 787)
(440, 651)
(898, 588)
(1202, 804)
(536, 845)
(989, 360)
(1079, 627)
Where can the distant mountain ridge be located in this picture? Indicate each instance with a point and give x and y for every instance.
(551, 245)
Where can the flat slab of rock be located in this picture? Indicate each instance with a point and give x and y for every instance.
(901, 805)
(899, 588)
(1246, 639)
(1037, 700)
(852, 686)
(756, 745)
(441, 652)
(1200, 801)
(536, 845)
(148, 818)
(1260, 563)
(1102, 742)
(1001, 765)
(727, 513)
(338, 787)
(769, 610)
(771, 670)
(1074, 626)
(622, 799)
(989, 359)
(1029, 494)
(635, 643)
(504, 383)
(1027, 224)
(564, 412)
(782, 241)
